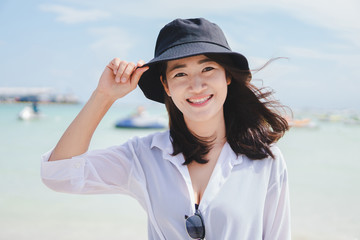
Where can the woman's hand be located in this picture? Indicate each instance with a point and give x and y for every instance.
(119, 78)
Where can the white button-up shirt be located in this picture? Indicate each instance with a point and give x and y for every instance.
(244, 199)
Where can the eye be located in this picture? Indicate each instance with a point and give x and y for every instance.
(179, 75)
(207, 69)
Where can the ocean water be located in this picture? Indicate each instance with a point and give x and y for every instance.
(323, 164)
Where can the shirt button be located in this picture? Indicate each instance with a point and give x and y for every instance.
(77, 165)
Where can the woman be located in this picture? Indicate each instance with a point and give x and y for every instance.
(216, 170)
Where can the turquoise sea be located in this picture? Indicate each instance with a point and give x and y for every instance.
(323, 163)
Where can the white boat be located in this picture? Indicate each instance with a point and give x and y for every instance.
(29, 113)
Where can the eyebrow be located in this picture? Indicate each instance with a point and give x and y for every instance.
(201, 61)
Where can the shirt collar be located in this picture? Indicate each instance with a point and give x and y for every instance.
(232, 156)
(163, 142)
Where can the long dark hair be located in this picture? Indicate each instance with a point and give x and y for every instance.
(251, 118)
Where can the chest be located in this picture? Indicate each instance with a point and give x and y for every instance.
(230, 193)
(200, 174)
(236, 199)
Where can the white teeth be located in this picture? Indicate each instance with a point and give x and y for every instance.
(199, 100)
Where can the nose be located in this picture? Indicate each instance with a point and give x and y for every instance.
(197, 84)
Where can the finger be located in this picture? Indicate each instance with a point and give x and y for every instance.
(128, 71)
(137, 75)
(114, 65)
(140, 63)
(120, 70)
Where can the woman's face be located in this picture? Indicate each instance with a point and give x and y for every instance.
(198, 87)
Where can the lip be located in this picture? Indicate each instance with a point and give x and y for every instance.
(199, 100)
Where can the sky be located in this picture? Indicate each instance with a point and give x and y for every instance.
(66, 44)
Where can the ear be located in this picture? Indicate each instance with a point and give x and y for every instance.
(165, 86)
(228, 79)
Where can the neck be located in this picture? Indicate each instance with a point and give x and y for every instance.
(213, 129)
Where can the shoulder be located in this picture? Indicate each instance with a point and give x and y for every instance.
(273, 169)
(270, 162)
(277, 163)
(278, 156)
(278, 159)
(278, 168)
(149, 151)
(159, 139)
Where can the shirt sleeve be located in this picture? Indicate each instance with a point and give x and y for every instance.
(277, 223)
(112, 170)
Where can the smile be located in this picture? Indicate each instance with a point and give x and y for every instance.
(199, 101)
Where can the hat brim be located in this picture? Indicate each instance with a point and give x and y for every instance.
(150, 82)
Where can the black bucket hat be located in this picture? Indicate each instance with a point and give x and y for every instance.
(185, 38)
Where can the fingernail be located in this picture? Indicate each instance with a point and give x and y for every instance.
(117, 80)
(123, 79)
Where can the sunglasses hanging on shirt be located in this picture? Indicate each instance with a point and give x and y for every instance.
(195, 225)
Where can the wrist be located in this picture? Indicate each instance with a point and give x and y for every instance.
(103, 97)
